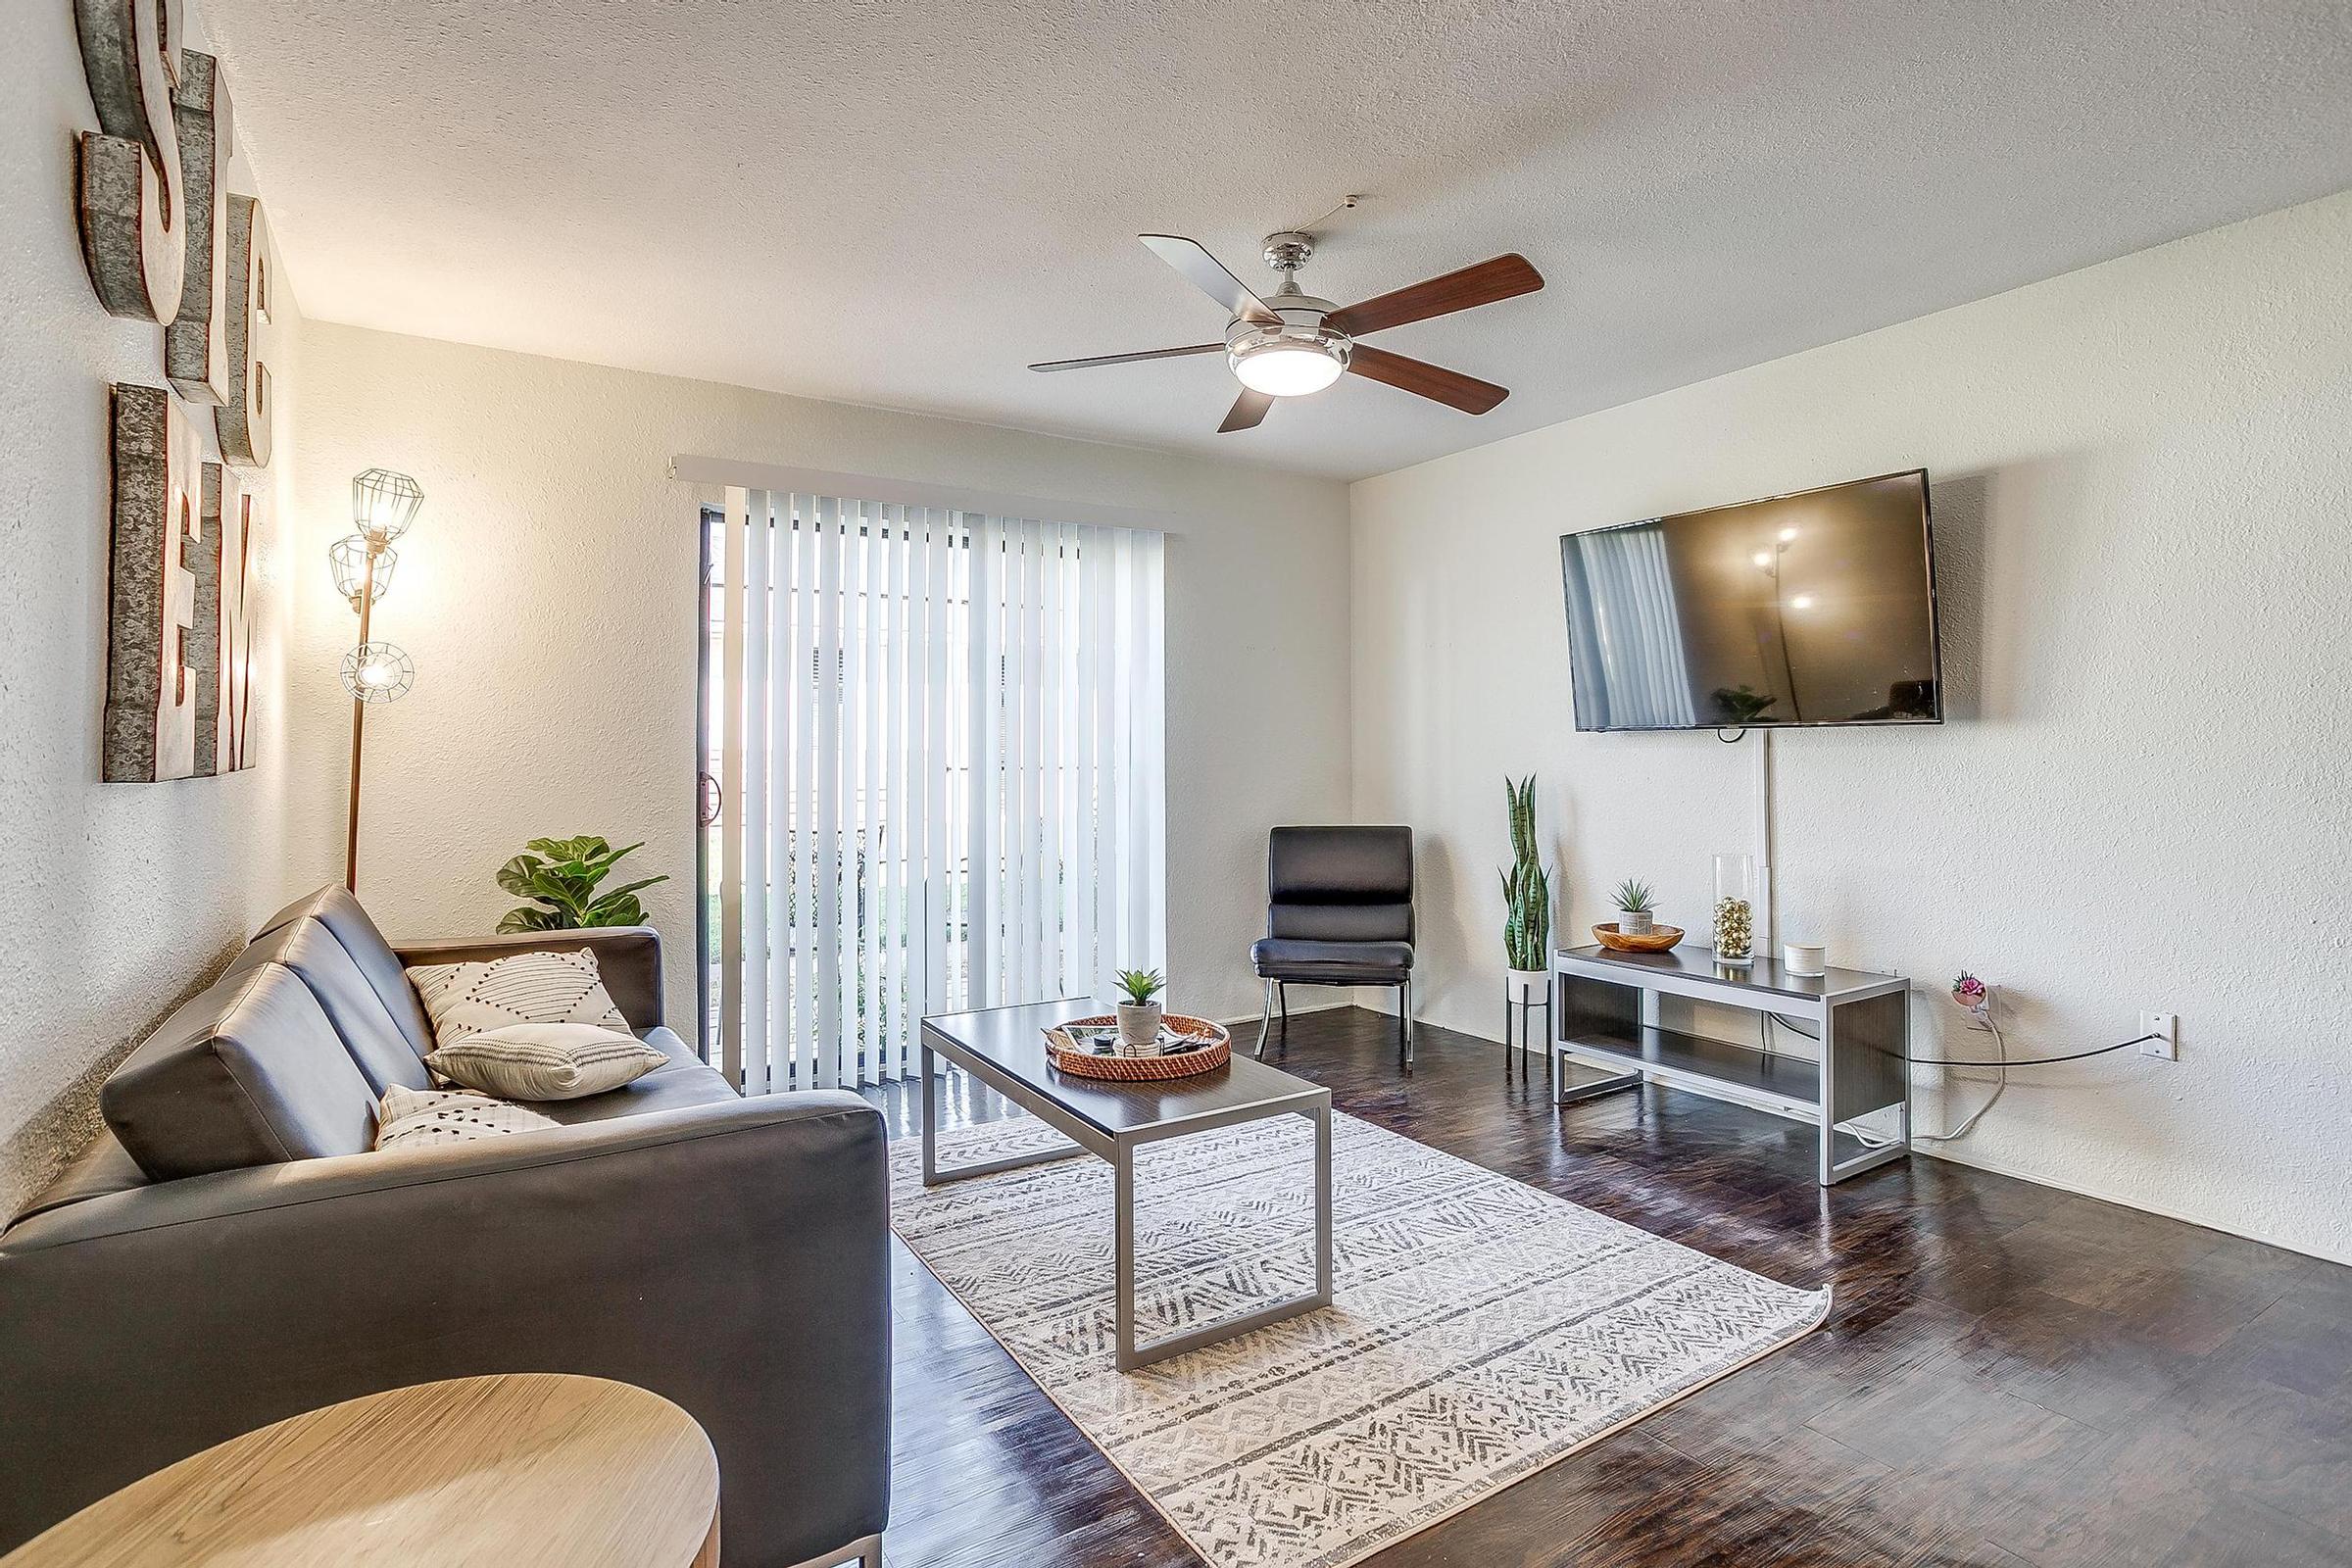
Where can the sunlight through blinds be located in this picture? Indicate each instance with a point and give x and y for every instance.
(941, 782)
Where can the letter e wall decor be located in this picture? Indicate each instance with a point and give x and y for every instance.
(151, 599)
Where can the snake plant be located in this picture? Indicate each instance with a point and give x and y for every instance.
(1526, 885)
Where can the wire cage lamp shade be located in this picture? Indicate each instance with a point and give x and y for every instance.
(349, 558)
(383, 503)
(379, 672)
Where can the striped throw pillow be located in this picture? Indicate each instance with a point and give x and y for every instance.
(465, 998)
(421, 1118)
(546, 1061)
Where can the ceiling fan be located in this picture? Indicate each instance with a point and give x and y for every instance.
(1294, 343)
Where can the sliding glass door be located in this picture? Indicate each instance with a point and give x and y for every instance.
(934, 775)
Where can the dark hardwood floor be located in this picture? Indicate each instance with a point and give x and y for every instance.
(2010, 1374)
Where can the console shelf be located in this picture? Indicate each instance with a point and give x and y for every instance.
(1791, 1083)
(1605, 1015)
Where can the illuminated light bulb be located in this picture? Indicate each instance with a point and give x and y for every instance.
(379, 672)
(1763, 558)
(1801, 602)
(1287, 372)
(1788, 534)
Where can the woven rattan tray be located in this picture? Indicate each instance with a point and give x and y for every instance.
(1215, 1050)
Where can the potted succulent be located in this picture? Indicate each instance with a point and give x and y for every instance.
(1525, 899)
(1632, 898)
(1140, 1014)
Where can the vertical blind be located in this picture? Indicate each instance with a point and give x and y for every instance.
(941, 774)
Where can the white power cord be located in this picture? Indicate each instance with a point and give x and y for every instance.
(2001, 1085)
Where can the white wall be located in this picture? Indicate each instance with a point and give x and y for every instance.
(548, 595)
(2142, 487)
(121, 898)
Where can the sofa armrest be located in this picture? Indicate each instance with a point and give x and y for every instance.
(628, 956)
(731, 1257)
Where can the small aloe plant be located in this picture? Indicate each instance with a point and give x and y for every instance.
(1142, 985)
(1632, 895)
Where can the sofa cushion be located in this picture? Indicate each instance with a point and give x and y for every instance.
(686, 1080)
(532, 987)
(546, 1060)
(103, 1167)
(1335, 962)
(248, 1072)
(380, 1047)
(429, 1118)
(341, 914)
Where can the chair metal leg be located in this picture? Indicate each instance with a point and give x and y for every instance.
(1405, 1025)
(1265, 1021)
(1282, 994)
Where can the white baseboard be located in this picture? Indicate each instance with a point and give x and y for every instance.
(1996, 1168)
(1295, 1011)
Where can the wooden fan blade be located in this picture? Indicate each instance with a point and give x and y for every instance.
(1208, 274)
(1450, 387)
(1247, 408)
(1129, 359)
(1505, 277)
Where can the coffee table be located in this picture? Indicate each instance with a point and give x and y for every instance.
(1005, 1048)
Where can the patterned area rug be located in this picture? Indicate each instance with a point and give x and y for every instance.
(1482, 1328)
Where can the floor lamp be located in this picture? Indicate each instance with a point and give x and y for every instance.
(382, 506)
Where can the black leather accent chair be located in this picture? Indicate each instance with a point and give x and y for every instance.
(1339, 912)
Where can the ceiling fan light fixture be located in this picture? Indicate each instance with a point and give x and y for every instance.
(1287, 360)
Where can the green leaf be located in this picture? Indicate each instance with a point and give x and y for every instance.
(527, 919)
(515, 876)
(622, 909)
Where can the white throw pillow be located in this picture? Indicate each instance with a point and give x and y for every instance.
(415, 1119)
(536, 987)
(546, 1061)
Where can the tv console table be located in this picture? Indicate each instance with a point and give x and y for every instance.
(1606, 1014)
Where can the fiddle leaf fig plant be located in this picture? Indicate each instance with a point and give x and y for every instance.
(560, 878)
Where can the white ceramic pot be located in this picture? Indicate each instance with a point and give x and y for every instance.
(1529, 987)
(1138, 1027)
(1634, 923)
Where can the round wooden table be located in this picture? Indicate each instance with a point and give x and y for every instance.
(494, 1472)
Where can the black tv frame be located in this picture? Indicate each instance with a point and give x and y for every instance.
(1927, 533)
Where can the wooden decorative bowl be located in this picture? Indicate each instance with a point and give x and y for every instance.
(1215, 1048)
(1656, 940)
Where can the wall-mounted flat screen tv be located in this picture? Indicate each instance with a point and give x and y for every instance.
(1816, 607)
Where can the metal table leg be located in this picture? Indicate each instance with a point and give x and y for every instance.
(1129, 1355)
(933, 1176)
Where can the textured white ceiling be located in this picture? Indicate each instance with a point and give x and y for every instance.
(902, 204)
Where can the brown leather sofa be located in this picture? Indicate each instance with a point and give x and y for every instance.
(229, 1250)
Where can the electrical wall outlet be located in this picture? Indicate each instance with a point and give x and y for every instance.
(2164, 1028)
